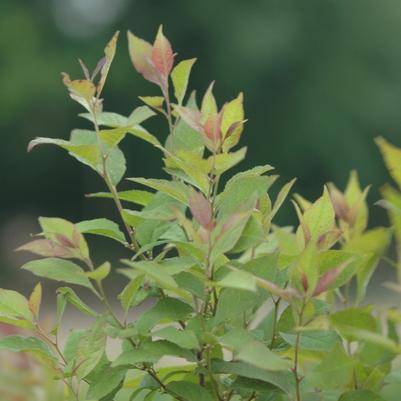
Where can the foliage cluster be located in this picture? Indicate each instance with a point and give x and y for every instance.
(237, 308)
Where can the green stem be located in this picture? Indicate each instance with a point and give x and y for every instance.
(275, 319)
(295, 368)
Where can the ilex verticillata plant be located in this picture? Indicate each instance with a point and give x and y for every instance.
(239, 308)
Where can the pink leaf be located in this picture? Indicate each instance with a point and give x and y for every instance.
(201, 210)
(162, 54)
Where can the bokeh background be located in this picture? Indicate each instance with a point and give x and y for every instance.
(321, 79)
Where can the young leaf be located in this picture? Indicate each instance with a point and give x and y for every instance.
(140, 52)
(69, 295)
(35, 300)
(162, 54)
(392, 158)
(15, 307)
(201, 210)
(180, 77)
(109, 53)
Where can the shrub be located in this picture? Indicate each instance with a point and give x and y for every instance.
(247, 309)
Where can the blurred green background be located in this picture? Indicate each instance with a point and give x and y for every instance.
(321, 79)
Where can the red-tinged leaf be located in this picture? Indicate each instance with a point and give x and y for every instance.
(45, 247)
(162, 54)
(64, 241)
(191, 117)
(304, 281)
(329, 278)
(212, 128)
(140, 52)
(201, 210)
(339, 202)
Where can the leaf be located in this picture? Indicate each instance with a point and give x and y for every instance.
(392, 158)
(140, 52)
(141, 133)
(107, 119)
(360, 395)
(175, 189)
(153, 101)
(109, 53)
(139, 115)
(134, 196)
(242, 299)
(88, 154)
(26, 344)
(103, 227)
(105, 381)
(190, 391)
(320, 217)
(35, 300)
(282, 195)
(233, 112)
(69, 295)
(334, 371)
(154, 271)
(162, 54)
(184, 338)
(209, 106)
(128, 295)
(257, 354)
(152, 352)
(201, 210)
(100, 273)
(359, 318)
(59, 270)
(224, 161)
(90, 349)
(284, 380)
(180, 77)
(14, 306)
(166, 310)
(315, 340)
(238, 279)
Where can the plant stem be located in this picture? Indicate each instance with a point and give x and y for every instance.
(275, 318)
(113, 190)
(295, 368)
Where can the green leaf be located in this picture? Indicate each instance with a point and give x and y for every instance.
(316, 340)
(139, 115)
(257, 354)
(334, 371)
(360, 395)
(88, 154)
(105, 381)
(26, 344)
(175, 189)
(284, 380)
(59, 270)
(133, 196)
(392, 158)
(320, 217)
(190, 391)
(14, 306)
(166, 310)
(141, 133)
(103, 227)
(90, 349)
(107, 119)
(100, 273)
(233, 112)
(238, 279)
(69, 295)
(154, 271)
(180, 77)
(184, 338)
(152, 352)
(241, 187)
(242, 299)
(224, 161)
(129, 293)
